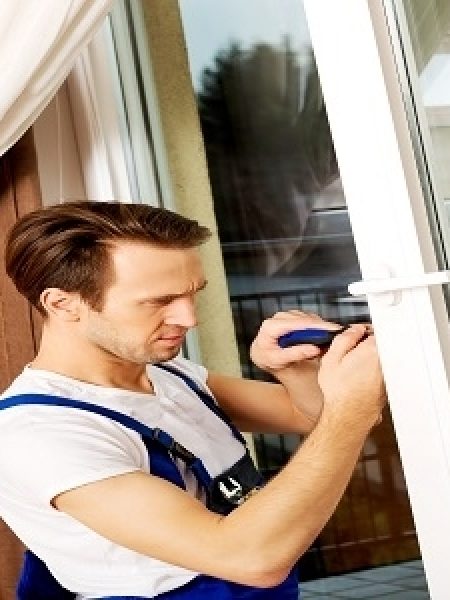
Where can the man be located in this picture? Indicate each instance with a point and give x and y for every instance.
(107, 510)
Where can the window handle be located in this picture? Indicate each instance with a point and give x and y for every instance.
(395, 284)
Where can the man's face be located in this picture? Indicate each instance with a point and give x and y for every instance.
(149, 306)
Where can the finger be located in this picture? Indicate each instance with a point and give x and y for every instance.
(299, 353)
(368, 326)
(343, 343)
(278, 326)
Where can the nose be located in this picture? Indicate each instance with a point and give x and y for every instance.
(181, 311)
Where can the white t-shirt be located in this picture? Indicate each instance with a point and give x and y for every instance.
(45, 451)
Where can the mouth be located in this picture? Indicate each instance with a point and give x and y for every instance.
(171, 340)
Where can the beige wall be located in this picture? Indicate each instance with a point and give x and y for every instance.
(429, 22)
(189, 175)
(440, 136)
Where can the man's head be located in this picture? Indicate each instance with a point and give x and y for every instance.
(125, 273)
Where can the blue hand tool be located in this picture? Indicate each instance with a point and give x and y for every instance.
(309, 335)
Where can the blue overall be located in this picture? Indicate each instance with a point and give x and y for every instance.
(37, 583)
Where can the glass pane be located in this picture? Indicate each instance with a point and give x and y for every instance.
(287, 243)
(424, 30)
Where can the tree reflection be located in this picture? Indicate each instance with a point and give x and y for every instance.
(268, 146)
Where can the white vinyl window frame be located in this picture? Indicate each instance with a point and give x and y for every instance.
(393, 240)
(121, 155)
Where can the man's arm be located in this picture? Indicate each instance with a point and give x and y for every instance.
(260, 541)
(259, 406)
(293, 405)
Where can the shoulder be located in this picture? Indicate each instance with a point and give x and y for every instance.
(47, 450)
(19, 385)
(71, 446)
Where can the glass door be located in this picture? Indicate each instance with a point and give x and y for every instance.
(381, 65)
(286, 242)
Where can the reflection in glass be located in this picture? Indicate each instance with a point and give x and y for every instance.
(424, 26)
(286, 237)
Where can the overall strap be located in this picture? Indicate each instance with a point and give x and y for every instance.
(204, 396)
(50, 400)
(152, 438)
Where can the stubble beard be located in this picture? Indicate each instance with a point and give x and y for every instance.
(107, 339)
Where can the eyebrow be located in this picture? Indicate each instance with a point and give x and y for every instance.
(170, 297)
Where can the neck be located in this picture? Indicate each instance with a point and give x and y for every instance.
(84, 362)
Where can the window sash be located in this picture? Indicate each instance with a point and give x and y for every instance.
(392, 237)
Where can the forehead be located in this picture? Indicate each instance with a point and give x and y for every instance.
(139, 265)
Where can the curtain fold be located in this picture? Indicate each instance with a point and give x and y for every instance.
(39, 42)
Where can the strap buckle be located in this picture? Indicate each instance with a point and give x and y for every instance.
(174, 448)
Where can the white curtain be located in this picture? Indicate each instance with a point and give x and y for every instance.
(39, 43)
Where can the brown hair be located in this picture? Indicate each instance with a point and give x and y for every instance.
(66, 246)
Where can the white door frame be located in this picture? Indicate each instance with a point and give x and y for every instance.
(392, 238)
(98, 116)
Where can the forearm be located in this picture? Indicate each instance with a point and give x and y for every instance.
(283, 519)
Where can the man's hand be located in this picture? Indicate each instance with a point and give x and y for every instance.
(290, 366)
(267, 354)
(350, 376)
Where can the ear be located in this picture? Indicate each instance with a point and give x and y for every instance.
(61, 304)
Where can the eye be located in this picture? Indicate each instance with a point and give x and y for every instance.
(156, 303)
